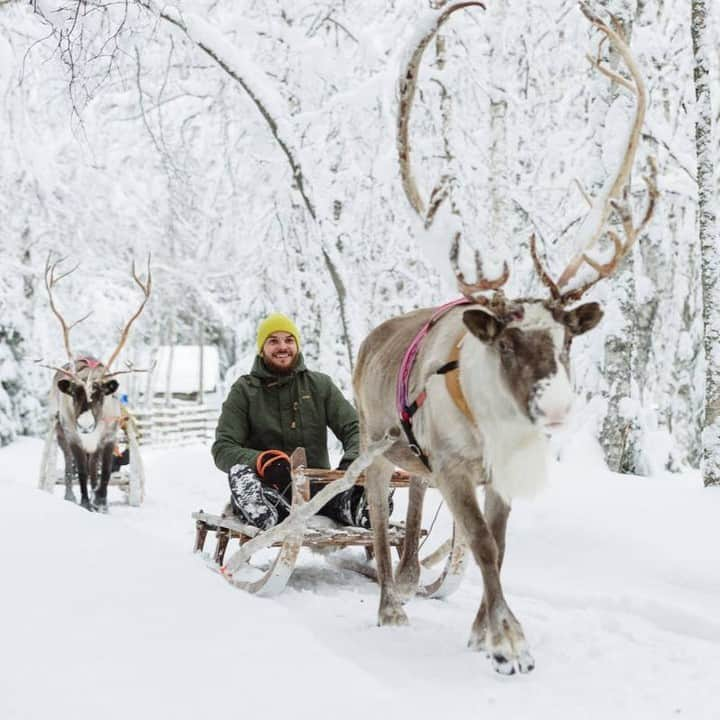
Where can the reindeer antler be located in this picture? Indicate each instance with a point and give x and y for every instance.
(130, 368)
(482, 283)
(615, 195)
(145, 287)
(51, 280)
(408, 85)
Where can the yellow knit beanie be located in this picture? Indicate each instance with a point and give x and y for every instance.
(276, 322)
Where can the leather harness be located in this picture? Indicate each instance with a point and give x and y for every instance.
(452, 381)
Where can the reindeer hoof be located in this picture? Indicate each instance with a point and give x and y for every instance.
(392, 616)
(87, 505)
(100, 503)
(502, 664)
(70, 497)
(523, 663)
(526, 662)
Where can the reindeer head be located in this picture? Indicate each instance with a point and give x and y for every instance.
(87, 388)
(529, 343)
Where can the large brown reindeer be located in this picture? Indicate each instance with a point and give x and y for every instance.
(478, 385)
(83, 405)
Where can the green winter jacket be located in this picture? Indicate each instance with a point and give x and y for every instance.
(264, 411)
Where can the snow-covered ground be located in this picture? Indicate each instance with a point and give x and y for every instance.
(615, 579)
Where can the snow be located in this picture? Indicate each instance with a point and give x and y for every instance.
(615, 579)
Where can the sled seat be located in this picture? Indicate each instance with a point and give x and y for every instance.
(229, 527)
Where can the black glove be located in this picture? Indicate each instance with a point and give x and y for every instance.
(273, 466)
(345, 463)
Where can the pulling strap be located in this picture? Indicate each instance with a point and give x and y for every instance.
(405, 408)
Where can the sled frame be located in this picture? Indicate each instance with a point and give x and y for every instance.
(228, 527)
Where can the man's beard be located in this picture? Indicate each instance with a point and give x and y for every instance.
(280, 369)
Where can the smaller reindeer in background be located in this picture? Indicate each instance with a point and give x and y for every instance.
(83, 406)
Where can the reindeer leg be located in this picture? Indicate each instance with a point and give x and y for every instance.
(497, 512)
(81, 464)
(101, 492)
(92, 468)
(496, 515)
(69, 465)
(376, 487)
(407, 574)
(495, 630)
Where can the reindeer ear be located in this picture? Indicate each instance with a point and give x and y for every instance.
(110, 387)
(583, 318)
(482, 325)
(65, 386)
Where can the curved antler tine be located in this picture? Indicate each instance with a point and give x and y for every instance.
(605, 269)
(482, 283)
(541, 271)
(651, 184)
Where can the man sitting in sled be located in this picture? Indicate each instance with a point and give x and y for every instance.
(279, 406)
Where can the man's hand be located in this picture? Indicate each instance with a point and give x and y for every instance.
(273, 466)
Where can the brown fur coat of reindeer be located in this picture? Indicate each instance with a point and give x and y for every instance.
(83, 405)
(485, 417)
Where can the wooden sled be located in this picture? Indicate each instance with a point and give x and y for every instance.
(227, 527)
(130, 478)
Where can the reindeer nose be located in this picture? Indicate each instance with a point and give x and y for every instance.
(554, 417)
(85, 422)
(551, 402)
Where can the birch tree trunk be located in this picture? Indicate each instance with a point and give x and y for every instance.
(619, 436)
(709, 241)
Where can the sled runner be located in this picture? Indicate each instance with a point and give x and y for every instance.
(298, 531)
(129, 476)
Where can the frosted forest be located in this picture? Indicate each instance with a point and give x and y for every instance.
(250, 153)
(250, 148)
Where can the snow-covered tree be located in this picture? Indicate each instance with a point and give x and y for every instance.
(709, 240)
(125, 132)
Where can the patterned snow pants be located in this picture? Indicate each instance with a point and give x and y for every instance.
(263, 505)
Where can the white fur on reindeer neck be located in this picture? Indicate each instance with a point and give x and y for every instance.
(514, 448)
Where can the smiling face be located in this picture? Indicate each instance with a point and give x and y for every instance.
(279, 352)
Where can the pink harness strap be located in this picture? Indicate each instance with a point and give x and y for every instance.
(404, 407)
(88, 361)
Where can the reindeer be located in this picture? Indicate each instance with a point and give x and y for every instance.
(478, 386)
(85, 410)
